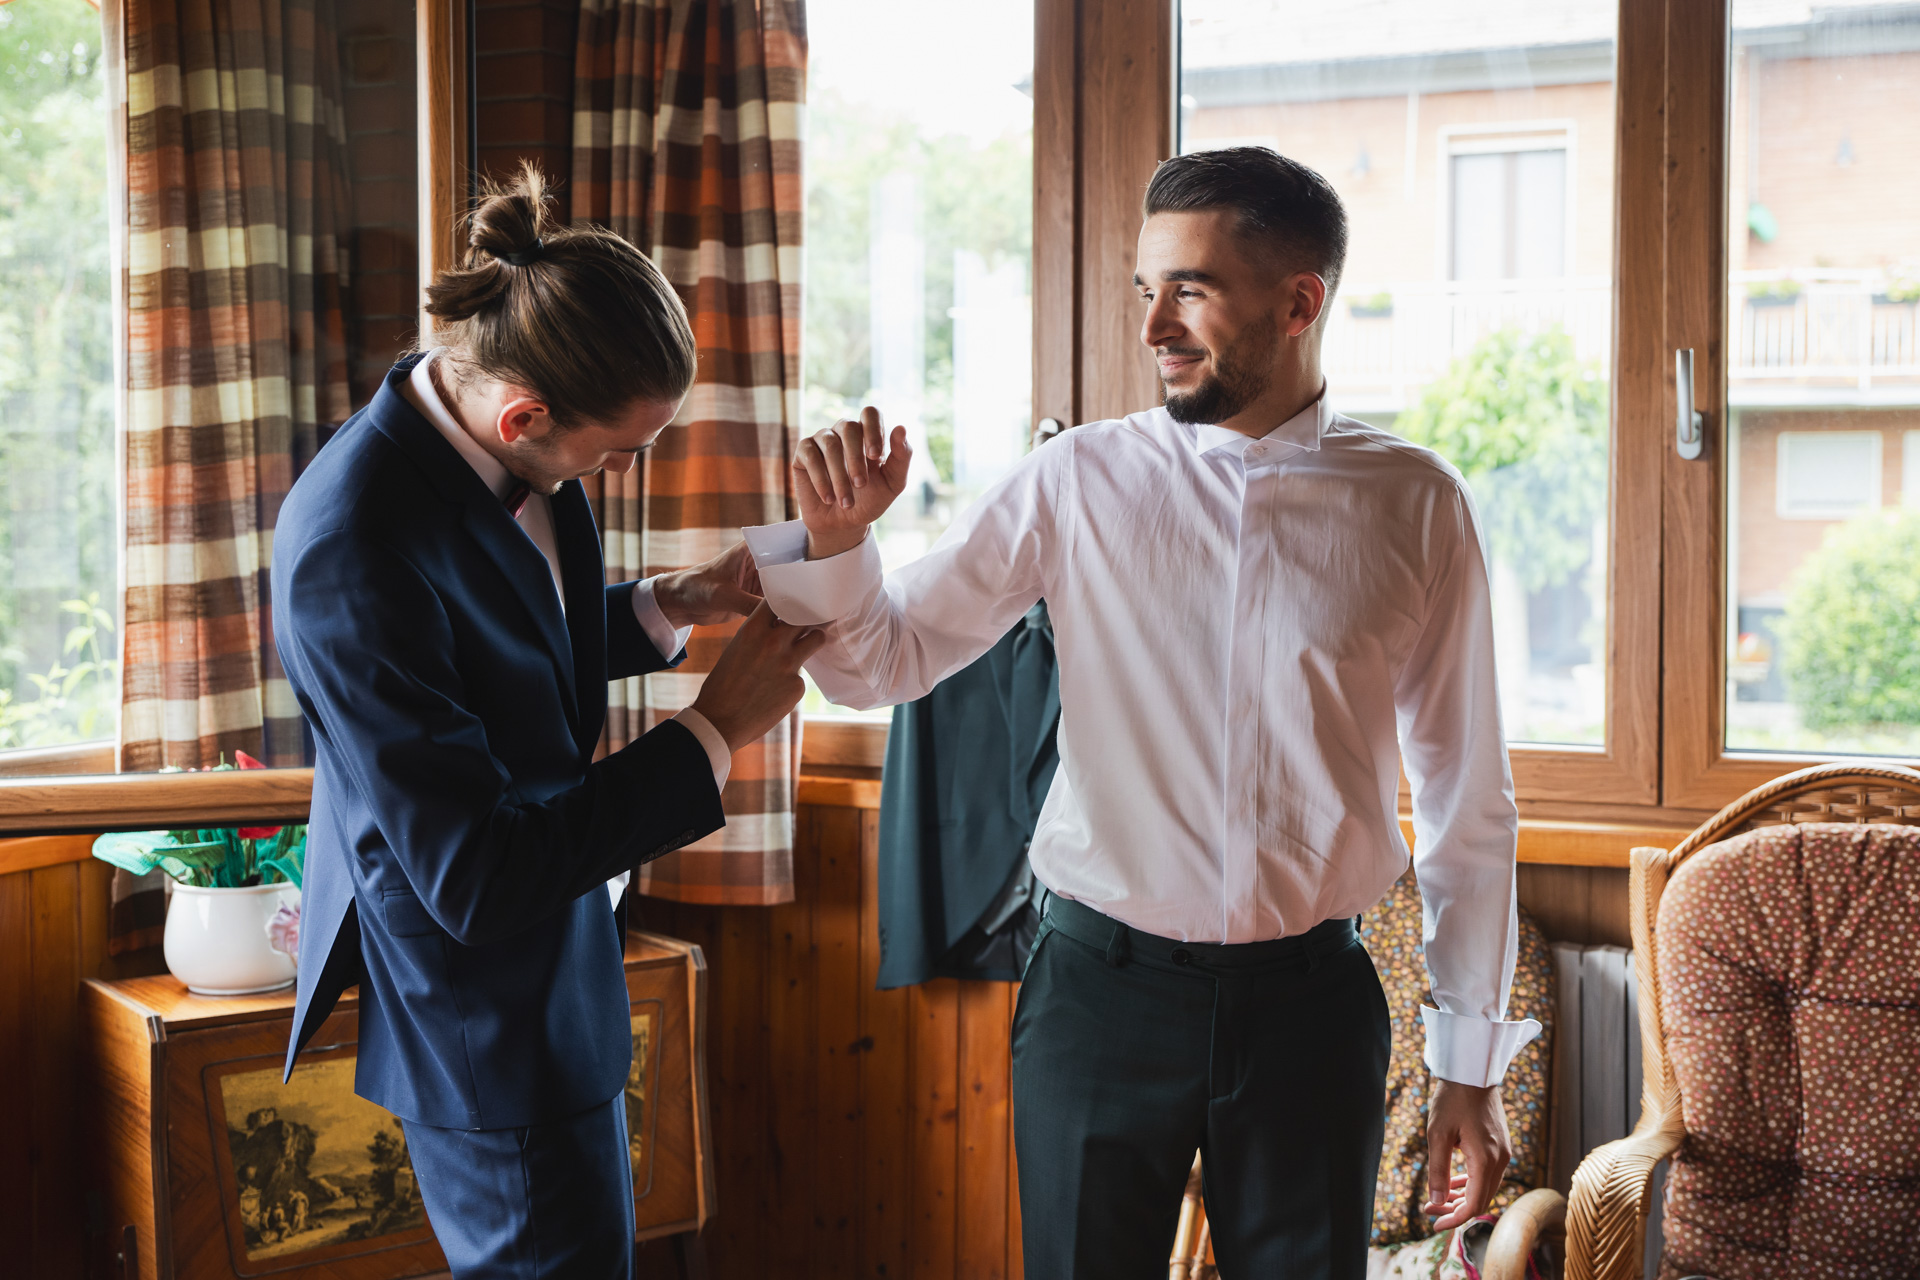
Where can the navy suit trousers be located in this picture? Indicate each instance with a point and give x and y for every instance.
(551, 1201)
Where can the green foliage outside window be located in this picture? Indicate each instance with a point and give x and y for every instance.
(58, 581)
(1525, 421)
(973, 197)
(1850, 644)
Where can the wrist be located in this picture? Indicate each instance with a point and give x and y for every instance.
(825, 546)
(666, 597)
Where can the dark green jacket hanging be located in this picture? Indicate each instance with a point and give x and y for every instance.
(968, 767)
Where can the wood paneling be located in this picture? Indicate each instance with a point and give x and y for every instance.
(858, 1132)
(442, 45)
(53, 921)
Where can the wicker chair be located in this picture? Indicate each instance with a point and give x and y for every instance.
(1606, 1219)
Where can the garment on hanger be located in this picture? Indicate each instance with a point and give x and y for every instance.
(968, 767)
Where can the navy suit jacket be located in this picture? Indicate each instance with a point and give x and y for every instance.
(461, 833)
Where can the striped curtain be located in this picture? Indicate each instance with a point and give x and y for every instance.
(236, 356)
(686, 141)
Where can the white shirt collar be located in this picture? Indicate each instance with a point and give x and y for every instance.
(1301, 432)
(424, 396)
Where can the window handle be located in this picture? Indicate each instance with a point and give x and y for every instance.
(1690, 426)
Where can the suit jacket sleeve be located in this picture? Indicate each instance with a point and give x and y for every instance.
(629, 651)
(372, 656)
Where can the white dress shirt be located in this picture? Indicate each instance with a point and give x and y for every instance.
(1252, 635)
(536, 521)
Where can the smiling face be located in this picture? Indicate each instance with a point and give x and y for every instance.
(1232, 332)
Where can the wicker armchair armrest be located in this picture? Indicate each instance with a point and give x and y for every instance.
(1539, 1214)
(1612, 1192)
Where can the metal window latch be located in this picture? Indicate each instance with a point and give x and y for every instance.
(1690, 425)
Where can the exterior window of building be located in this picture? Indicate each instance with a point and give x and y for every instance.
(919, 242)
(1472, 143)
(1827, 475)
(1509, 214)
(59, 596)
(1823, 379)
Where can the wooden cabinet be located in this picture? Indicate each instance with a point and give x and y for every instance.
(208, 1167)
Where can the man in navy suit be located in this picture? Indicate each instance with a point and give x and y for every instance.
(440, 608)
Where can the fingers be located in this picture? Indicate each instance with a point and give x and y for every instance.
(853, 449)
(1439, 1172)
(893, 472)
(873, 432)
(820, 456)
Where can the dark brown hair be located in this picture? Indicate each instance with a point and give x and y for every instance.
(1288, 209)
(576, 315)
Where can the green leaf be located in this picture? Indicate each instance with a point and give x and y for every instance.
(134, 851)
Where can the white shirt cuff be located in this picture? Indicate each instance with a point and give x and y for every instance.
(810, 593)
(717, 753)
(1475, 1051)
(668, 639)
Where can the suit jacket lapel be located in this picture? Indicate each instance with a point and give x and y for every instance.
(512, 552)
(581, 570)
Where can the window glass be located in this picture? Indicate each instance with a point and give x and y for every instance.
(1823, 450)
(1472, 142)
(919, 242)
(59, 598)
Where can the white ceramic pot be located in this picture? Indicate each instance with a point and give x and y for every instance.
(216, 939)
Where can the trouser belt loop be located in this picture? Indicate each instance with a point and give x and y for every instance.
(1118, 949)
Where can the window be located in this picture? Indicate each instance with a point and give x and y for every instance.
(58, 497)
(1826, 475)
(1823, 380)
(1476, 312)
(919, 242)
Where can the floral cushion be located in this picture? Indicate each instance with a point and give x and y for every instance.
(1790, 993)
(1392, 935)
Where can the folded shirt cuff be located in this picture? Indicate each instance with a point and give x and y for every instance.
(667, 638)
(717, 753)
(1475, 1051)
(810, 593)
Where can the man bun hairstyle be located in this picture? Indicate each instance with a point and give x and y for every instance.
(1287, 209)
(576, 315)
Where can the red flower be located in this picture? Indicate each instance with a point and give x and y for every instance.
(253, 833)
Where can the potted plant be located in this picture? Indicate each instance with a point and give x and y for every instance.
(233, 916)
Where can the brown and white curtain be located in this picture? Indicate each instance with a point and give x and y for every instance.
(236, 355)
(687, 120)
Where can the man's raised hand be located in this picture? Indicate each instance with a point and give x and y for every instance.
(845, 477)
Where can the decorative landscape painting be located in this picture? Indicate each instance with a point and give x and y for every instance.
(637, 1129)
(314, 1165)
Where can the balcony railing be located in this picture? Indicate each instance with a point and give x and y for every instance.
(1812, 333)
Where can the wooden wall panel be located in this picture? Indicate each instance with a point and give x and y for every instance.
(52, 936)
(859, 1132)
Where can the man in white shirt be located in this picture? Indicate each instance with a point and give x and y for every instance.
(1261, 608)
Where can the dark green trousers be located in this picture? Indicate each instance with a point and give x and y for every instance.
(1130, 1051)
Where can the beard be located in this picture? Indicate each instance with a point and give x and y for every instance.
(1241, 374)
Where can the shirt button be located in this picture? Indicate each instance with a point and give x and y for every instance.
(1182, 956)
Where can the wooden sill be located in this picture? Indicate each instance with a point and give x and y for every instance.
(841, 761)
(64, 761)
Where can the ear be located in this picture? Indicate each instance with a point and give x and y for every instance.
(1307, 294)
(523, 414)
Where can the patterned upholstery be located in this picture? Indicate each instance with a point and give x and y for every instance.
(1392, 935)
(1790, 990)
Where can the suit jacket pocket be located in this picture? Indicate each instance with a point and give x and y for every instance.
(405, 916)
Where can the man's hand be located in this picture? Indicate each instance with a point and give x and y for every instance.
(845, 478)
(757, 683)
(1473, 1122)
(724, 588)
